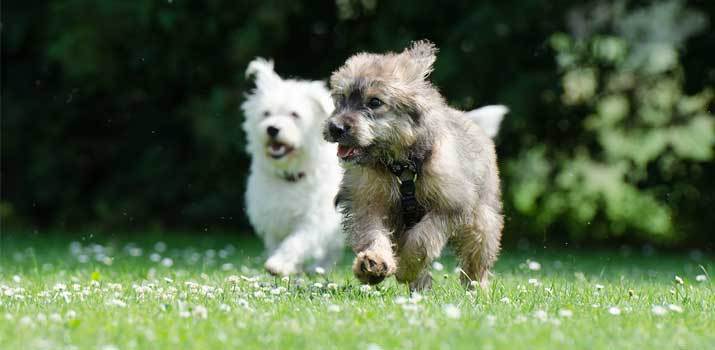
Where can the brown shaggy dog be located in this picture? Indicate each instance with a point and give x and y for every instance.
(417, 173)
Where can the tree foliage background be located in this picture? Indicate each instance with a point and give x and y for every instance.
(123, 115)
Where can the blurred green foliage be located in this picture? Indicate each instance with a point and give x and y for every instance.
(642, 137)
(122, 115)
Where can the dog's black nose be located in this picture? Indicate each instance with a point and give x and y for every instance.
(272, 131)
(336, 130)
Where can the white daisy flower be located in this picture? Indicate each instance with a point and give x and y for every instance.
(242, 302)
(675, 308)
(534, 265)
(614, 310)
(701, 278)
(200, 312)
(565, 313)
(319, 270)
(491, 320)
(541, 315)
(160, 247)
(26, 321)
(399, 300)
(437, 266)
(135, 251)
(117, 303)
(452, 311)
(658, 310)
(373, 346)
(415, 298)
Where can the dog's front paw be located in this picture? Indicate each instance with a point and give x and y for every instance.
(371, 267)
(278, 267)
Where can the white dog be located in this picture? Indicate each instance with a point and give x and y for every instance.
(294, 173)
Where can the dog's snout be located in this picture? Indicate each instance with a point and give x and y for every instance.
(272, 131)
(337, 130)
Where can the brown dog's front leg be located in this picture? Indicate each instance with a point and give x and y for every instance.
(375, 260)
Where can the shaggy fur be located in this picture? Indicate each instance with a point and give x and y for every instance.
(388, 112)
(294, 174)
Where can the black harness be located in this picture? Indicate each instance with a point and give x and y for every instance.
(406, 173)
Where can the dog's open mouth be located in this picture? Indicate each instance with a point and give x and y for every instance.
(348, 152)
(278, 150)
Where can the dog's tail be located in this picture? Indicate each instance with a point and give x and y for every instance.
(262, 69)
(489, 118)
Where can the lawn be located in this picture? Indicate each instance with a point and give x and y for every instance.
(209, 292)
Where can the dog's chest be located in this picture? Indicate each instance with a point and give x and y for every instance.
(385, 194)
(276, 208)
(382, 190)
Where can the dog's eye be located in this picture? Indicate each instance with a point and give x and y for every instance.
(374, 103)
(338, 100)
(266, 114)
(295, 115)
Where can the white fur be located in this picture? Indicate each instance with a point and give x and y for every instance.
(297, 221)
(489, 118)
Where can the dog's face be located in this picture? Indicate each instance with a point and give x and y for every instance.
(283, 117)
(380, 101)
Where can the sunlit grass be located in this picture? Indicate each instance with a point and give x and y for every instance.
(209, 293)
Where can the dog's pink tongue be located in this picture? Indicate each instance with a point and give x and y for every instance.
(344, 151)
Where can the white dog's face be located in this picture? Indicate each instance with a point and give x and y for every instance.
(283, 117)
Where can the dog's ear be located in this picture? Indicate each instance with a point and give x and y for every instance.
(318, 92)
(421, 56)
(262, 69)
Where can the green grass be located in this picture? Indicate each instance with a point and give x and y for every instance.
(51, 300)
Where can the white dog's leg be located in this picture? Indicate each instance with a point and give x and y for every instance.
(334, 245)
(294, 251)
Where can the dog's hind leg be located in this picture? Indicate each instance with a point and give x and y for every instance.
(417, 248)
(477, 245)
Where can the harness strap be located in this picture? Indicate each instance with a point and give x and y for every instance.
(412, 210)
